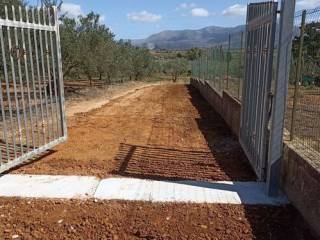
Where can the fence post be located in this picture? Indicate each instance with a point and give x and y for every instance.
(298, 76)
(228, 61)
(275, 152)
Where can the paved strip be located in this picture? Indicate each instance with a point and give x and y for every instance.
(42, 186)
(186, 191)
(76, 187)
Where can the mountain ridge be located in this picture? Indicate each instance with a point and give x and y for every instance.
(188, 38)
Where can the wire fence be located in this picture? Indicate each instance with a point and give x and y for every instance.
(303, 101)
(222, 65)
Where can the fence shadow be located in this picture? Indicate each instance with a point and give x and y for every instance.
(220, 140)
(222, 160)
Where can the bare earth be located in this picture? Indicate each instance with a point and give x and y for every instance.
(35, 219)
(165, 132)
(83, 98)
(159, 132)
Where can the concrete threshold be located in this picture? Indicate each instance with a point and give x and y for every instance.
(130, 189)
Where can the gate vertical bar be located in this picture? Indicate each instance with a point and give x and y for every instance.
(240, 66)
(20, 81)
(44, 76)
(33, 78)
(6, 76)
(280, 92)
(38, 78)
(228, 61)
(14, 85)
(47, 53)
(60, 82)
(54, 74)
(27, 78)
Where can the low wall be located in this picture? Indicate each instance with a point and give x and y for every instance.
(226, 105)
(231, 112)
(300, 177)
(212, 97)
(301, 181)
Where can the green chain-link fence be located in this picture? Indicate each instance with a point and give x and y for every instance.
(222, 65)
(303, 107)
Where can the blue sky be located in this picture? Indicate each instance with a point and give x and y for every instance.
(135, 19)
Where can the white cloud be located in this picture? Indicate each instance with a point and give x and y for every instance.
(200, 12)
(187, 5)
(305, 4)
(144, 16)
(235, 10)
(71, 10)
(102, 18)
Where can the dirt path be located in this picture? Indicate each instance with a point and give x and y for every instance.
(159, 132)
(35, 219)
(91, 98)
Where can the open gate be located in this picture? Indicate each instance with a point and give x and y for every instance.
(260, 39)
(32, 96)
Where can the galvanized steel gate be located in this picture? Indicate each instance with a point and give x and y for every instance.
(260, 39)
(31, 79)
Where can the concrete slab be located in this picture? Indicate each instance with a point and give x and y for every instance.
(186, 191)
(130, 189)
(33, 186)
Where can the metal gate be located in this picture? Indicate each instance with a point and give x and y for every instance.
(260, 39)
(31, 79)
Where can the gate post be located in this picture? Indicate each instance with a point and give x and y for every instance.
(280, 92)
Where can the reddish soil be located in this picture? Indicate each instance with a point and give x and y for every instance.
(81, 97)
(35, 219)
(159, 132)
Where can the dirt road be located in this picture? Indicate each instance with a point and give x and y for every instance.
(159, 132)
(38, 219)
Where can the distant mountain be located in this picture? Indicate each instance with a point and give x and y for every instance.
(185, 39)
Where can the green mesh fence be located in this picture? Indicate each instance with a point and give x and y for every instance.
(303, 108)
(222, 65)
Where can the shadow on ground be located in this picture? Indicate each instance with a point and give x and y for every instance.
(222, 160)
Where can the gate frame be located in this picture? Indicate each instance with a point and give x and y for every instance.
(278, 103)
(50, 27)
(257, 149)
(275, 152)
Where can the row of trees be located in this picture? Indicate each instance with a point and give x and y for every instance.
(89, 48)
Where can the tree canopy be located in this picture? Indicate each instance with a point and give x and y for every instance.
(90, 48)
